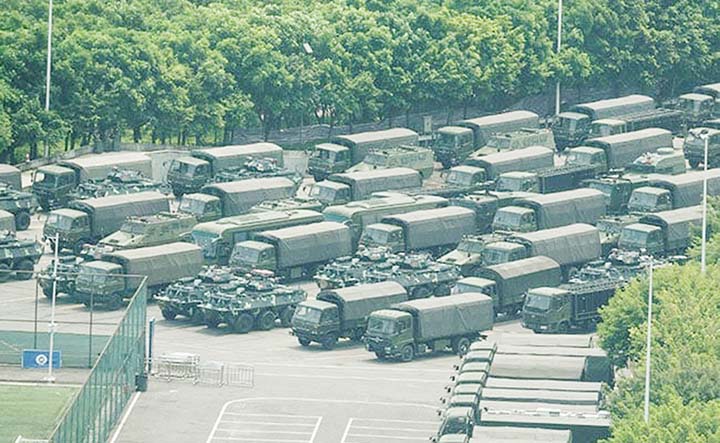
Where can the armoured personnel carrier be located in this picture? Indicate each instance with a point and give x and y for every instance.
(20, 204)
(117, 182)
(17, 255)
(184, 296)
(68, 267)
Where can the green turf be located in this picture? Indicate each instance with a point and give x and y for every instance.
(75, 348)
(31, 411)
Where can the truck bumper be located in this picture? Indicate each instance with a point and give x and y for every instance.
(537, 327)
(382, 349)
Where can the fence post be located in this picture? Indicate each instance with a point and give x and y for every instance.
(151, 336)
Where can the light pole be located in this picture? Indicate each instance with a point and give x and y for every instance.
(308, 51)
(705, 136)
(559, 41)
(647, 345)
(47, 70)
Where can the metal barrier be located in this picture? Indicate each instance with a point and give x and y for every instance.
(177, 365)
(240, 375)
(114, 377)
(184, 366)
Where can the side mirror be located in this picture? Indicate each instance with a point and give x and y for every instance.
(456, 367)
(433, 439)
(452, 378)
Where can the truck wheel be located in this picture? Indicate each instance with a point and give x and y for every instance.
(25, 270)
(407, 354)
(196, 316)
(694, 163)
(304, 342)
(168, 314)
(78, 247)
(563, 327)
(266, 321)
(420, 292)
(329, 341)
(5, 272)
(442, 290)
(47, 291)
(243, 324)
(357, 334)
(212, 320)
(22, 221)
(461, 346)
(116, 301)
(380, 355)
(286, 317)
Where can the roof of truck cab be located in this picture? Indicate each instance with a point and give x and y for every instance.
(514, 210)
(360, 292)
(695, 96)
(371, 136)
(521, 267)
(54, 169)
(152, 251)
(466, 169)
(518, 174)
(641, 227)
(651, 190)
(101, 265)
(200, 197)
(549, 292)
(374, 174)
(317, 304)
(332, 147)
(572, 115)
(234, 150)
(65, 212)
(331, 184)
(454, 130)
(500, 118)
(192, 160)
(504, 246)
(475, 281)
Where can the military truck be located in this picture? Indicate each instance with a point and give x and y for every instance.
(546, 211)
(507, 434)
(87, 221)
(119, 274)
(507, 283)
(359, 214)
(486, 204)
(526, 159)
(468, 254)
(18, 256)
(405, 156)
(670, 119)
(661, 233)
(254, 168)
(345, 151)
(545, 181)
(570, 306)
(663, 161)
(617, 190)
(616, 152)
(184, 296)
(585, 427)
(524, 138)
(294, 252)
(571, 128)
(53, 184)
(218, 238)
(674, 191)
(694, 147)
(455, 143)
(434, 324)
(219, 200)
(342, 313)
(696, 108)
(190, 174)
(431, 229)
(18, 203)
(68, 268)
(118, 181)
(7, 221)
(251, 303)
(11, 176)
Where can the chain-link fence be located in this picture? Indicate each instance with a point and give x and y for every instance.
(117, 373)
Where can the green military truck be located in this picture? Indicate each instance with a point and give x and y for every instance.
(11, 176)
(342, 313)
(217, 238)
(344, 151)
(119, 274)
(584, 427)
(571, 128)
(53, 184)
(526, 159)
(18, 203)
(454, 143)
(87, 221)
(431, 229)
(415, 327)
(673, 191)
(507, 283)
(616, 152)
(18, 256)
(663, 161)
(7, 221)
(670, 119)
(617, 190)
(546, 180)
(189, 174)
(486, 204)
(413, 157)
(523, 138)
(227, 199)
(467, 257)
(701, 104)
(553, 210)
(294, 252)
(662, 233)
(694, 147)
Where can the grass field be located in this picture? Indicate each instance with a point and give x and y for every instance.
(75, 348)
(31, 411)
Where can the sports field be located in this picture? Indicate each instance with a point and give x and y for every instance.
(31, 410)
(78, 350)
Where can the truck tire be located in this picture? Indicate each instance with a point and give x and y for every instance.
(563, 327)
(266, 321)
(357, 334)
(420, 292)
(212, 320)
(442, 290)
(48, 291)
(694, 163)
(22, 220)
(243, 323)
(78, 247)
(196, 316)
(380, 355)
(168, 313)
(329, 341)
(407, 353)
(116, 301)
(25, 270)
(304, 342)
(5, 272)
(286, 316)
(461, 346)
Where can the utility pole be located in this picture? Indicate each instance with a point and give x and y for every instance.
(47, 71)
(647, 344)
(559, 42)
(705, 136)
(52, 327)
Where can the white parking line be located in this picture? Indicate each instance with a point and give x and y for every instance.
(380, 430)
(236, 426)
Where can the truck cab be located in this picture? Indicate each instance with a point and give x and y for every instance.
(547, 310)
(71, 226)
(664, 161)
(101, 282)
(413, 157)
(453, 143)
(697, 107)
(253, 254)
(328, 158)
(477, 284)
(385, 235)
(389, 332)
(502, 252)
(467, 255)
(649, 199)
(188, 174)
(606, 127)
(517, 181)
(314, 319)
(203, 206)
(523, 138)
(694, 146)
(52, 184)
(330, 193)
(570, 129)
(466, 176)
(588, 156)
(456, 421)
(617, 190)
(514, 219)
(640, 236)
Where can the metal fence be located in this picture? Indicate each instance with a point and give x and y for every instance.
(114, 377)
(184, 366)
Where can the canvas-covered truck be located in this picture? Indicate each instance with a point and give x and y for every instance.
(191, 173)
(584, 427)
(523, 138)
(670, 119)
(296, 251)
(87, 221)
(615, 152)
(507, 283)
(413, 157)
(455, 143)
(694, 147)
(227, 199)
(342, 313)
(119, 274)
(597, 366)
(526, 159)
(546, 180)
(673, 191)
(52, 184)
(663, 161)
(700, 105)
(431, 229)
(617, 190)
(11, 176)
(571, 128)
(428, 325)
(486, 204)
(662, 233)
(553, 210)
(347, 150)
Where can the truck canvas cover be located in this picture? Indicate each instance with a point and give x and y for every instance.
(585, 427)
(109, 213)
(533, 407)
(615, 107)
(542, 395)
(161, 264)
(583, 205)
(539, 366)
(434, 227)
(676, 223)
(516, 277)
(504, 434)
(240, 196)
(572, 244)
(317, 242)
(363, 184)
(484, 127)
(357, 302)
(450, 316)
(622, 149)
(7, 221)
(526, 159)
(687, 188)
(235, 156)
(11, 175)
(99, 166)
(712, 89)
(387, 138)
(259, 221)
(552, 385)
(554, 340)
(597, 363)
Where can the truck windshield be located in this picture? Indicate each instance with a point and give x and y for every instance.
(180, 167)
(59, 221)
(308, 314)
(376, 159)
(688, 105)
(91, 275)
(44, 178)
(322, 193)
(133, 227)
(324, 154)
(579, 158)
(375, 236)
(471, 246)
(494, 257)
(190, 205)
(382, 326)
(642, 200)
(633, 237)
(538, 302)
(245, 254)
(453, 425)
(447, 140)
(459, 178)
(513, 184)
(506, 219)
(569, 124)
(207, 241)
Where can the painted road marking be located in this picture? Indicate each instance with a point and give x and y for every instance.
(278, 428)
(377, 430)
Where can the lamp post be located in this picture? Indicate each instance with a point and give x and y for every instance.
(705, 136)
(648, 344)
(308, 51)
(559, 41)
(47, 70)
